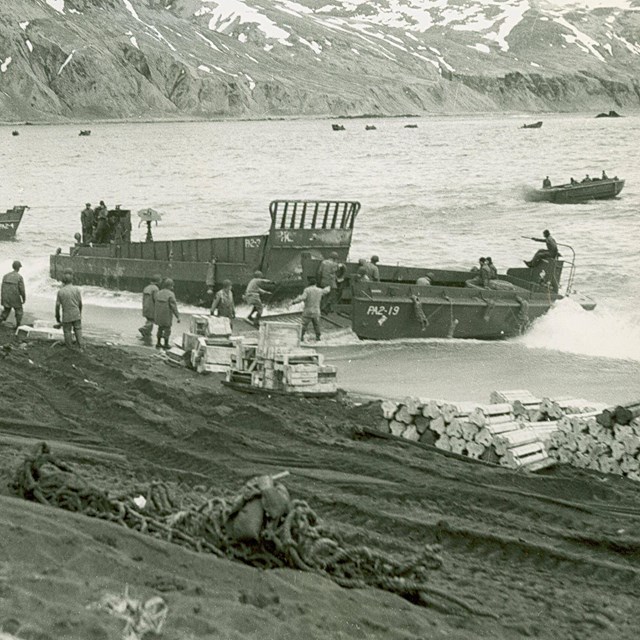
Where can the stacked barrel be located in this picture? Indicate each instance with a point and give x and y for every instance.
(606, 441)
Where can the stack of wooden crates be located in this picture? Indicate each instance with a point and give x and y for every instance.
(277, 362)
(207, 346)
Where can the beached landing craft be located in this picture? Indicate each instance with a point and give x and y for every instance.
(595, 189)
(318, 227)
(10, 221)
(451, 307)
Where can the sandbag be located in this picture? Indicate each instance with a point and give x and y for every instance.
(246, 525)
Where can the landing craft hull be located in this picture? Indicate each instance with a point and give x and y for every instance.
(581, 192)
(447, 313)
(453, 306)
(10, 221)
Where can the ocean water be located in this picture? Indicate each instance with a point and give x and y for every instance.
(439, 195)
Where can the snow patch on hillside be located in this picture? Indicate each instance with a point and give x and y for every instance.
(58, 5)
(480, 47)
(211, 44)
(226, 13)
(580, 39)
(66, 62)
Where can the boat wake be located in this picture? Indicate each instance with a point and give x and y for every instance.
(598, 333)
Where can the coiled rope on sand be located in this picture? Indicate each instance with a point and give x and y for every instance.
(261, 526)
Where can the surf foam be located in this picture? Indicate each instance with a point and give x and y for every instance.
(602, 332)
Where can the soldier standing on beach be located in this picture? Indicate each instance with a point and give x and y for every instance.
(13, 294)
(253, 296)
(69, 310)
(165, 310)
(312, 298)
(223, 302)
(328, 277)
(149, 295)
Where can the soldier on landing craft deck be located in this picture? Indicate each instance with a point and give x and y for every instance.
(87, 219)
(372, 269)
(542, 254)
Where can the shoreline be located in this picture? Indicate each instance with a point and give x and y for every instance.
(196, 119)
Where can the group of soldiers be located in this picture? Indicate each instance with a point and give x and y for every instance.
(95, 224)
(68, 307)
(159, 307)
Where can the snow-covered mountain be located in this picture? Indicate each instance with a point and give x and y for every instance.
(268, 58)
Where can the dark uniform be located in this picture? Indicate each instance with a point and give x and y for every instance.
(87, 218)
(13, 295)
(551, 252)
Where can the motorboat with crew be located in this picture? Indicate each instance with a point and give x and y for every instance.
(587, 189)
(10, 221)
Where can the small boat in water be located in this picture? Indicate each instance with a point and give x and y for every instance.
(85, 132)
(337, 127)
(535, 125)
(594, 189)
(10, 221)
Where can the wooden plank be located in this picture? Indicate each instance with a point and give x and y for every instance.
(396, 428)
(422, 423)
(403, 415)
(411, 433)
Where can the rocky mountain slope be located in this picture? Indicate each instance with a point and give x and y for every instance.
(87, 59)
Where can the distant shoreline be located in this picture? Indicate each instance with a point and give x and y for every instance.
(365, 116)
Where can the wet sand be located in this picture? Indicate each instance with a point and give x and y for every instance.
(550, 555)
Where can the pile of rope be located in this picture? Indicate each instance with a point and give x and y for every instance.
(261, 526)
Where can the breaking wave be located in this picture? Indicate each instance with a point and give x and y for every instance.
(602, 332)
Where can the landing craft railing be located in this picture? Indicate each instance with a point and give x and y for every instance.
(572, 268)
(313, 214)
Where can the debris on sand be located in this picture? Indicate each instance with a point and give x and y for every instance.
(260, 526)
(141, 617)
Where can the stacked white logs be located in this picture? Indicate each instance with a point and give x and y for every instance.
(487, 432)
(582, 442)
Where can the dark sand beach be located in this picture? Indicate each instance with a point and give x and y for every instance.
(548, 555)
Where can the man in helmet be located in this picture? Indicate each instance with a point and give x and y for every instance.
(327, 276)
(223, 301)
(372, 269)
(87, 219)
(149, 295)
(252, 296)
(165, 310)
(13, 294)
(69, 310)
(551, 252)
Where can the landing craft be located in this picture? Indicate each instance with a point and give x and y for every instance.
(315, 226)
(452, 306)
(302, 234)
(10, 221)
